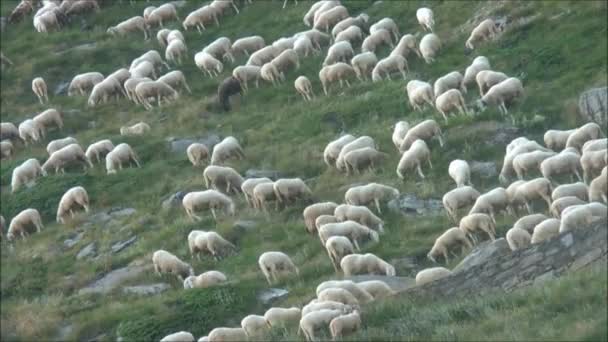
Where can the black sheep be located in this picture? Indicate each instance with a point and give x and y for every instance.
(230, 86)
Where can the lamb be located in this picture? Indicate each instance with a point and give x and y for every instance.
(452, 80)
(392, 63)
(255, 326)
(593, 162)
(486, 79)
(19, 223)
(84, 83)
(282, 317)
(579, 190)
(220, 177)
(75, 196)
(6, 149)
(332, 150)
(534, 189)
(248, 45)
(363, 64)
(205, 280)
(366, 157)
(98, 150)
(230, 86)
(199, 17)
(165, 262)
(58, 144)
(359, 214)
(315, 320)
(352, 34)
(182, 336)
(26, 173)
(330, 17)
(598, 188)
(244, 73)
(325, 219)
(477, 222)
(425, 18)
(197, 153)
(164, 12)
(419, 93)
(209, 199)
(518, 238)
(9, 131)
(122, 153)
(545, 230)
(143, 69)
(479, 64)
(432, 274)
(285, 60)
(387, 24)
(525, 162)
(64, 157)
(460, 172)
(583, 134)
(209, 242)
(249, 185)
(175, 51)
(313, 211)
(103, 90)
(263, 56)
(450, 100)
(340, 295)
(316, 37)
(48, 118)
(290, 189)
(377, 288)
(226, 149)
(350, 229)
(275, 264)
(565, 162)
(339, 52)
(595, 145)
(399, 132)
(502, 93)
(413, 158)
(429, 47)
(30, 131)
(361, 142)
(208, 63)
(137, 129)
(270, 73)
(133, 24)
(558, 205)
(484, 31)
(459, 198)
(372, 192)
(175, 79)
(345, 324)
(304, 88)
(337, 248)
(528, 222)
(339, 71)
(40, 90)
(365, 264)
(451, 237)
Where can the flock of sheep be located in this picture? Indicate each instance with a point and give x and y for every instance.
(341, 228)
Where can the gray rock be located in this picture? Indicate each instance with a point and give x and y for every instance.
(69, 243)
(174, 201)
(272, 174)
(119, 246)
(269, 296)
(179, 145)
(483, 252)
(62, 88)
(79, 48)
(88, 251)
(121, 212)
(593, 105)
(245, 226)
(151, 289)
(405, 265)
(100, 218)
(409, 204)
(113, 279)
(484, 169)
(98, 338)
(396, 283)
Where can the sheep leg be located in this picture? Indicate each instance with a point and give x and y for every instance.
(419, 169)
(213, 214)
(284, 4)
(356, 244)
(377, 202)
(347, 83)
(445, 117)
(430, 163)
(529, 207)
(445, 255)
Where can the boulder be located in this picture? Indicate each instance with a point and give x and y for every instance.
(409, 204)
(174, 201)
(269, 296)
(146, 290)
(119, 246)
(62, 88)
(115, 278)
(482, 252)
(88, 251)
(71, 242)
(121, 212)
(593, 105)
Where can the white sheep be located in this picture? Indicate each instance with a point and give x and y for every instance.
(208, 199)
(598, 188)
(399, 131)
(212, 243)
(75, 196)
(592, 163)
(286, 60)
(20, 223)
(388, 65)
(228, 148)
(103, 90)
(227, 334)
(514, 150)
(263, 193)
(175, 51)
(340, 51)
(255, 326)
(363, 64)
(545, 230)
(263, 56)
(340, 295)
(313, 211)
(66, 156)
(143, 69)
(363, 158)
(432, 274)
(289, 189)
(121, 153)
(182, 336)
(479, 64)
(352, 34)
(365, 264)
(248, 45)
(538, 188)
(452, 80)
(304, 88)
(98, 150)
(197, 153)
(372, 192)
(406, 44)
(122, 74)
(244, 73)
(130, 84)
(220, 49)
(199, 17)
(165, 262)
(9, 131)
(270, 73)
(484, 31)
(333, 148)
(164, 12)
(460, 172)
(450, 238)
(486, 79)
(284, 43)
(528, 222)
(84, 83)
(304, 47)
(26, 173)
(477, 222)
(518, 238)
(586, 132)
(325, 219)
(336, 72)
(450, 100)
(205, 280)
(308, 17)
(208, 63)
(360, 142)
(503, 93)
(376, 39)
(579, 216)
(429, 46)
(377, 288)
(58, 144)
(419, 93)
(316, 37)
(317, 305)
(326, 6)
(282, 317)
(175, 79)
(350, 229)
(222, 178)
(316, 320)
(387, 24)
(275, 264)
(48, 118)
(133, 24)
(459, 198)
(249, 185)
(223, 5)
(6, 149)
(556, 139)
(558, 205)
(425, 18)
(137, 129)
(330, 17)
(30, 131)
(346, 23)
(359, 214)
(345, 325)
(565, 162)
(595, 145)
(528, 161)
(413, 159)
(338, 247)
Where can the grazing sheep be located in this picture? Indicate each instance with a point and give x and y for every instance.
(565, 162)
(84, 83)
(144, 68)
(40, 90)
(317, 305)
(337, 248)
(103, 90)
(99, 150)
(222, 178)
(330, 17)
(182, 336)
(308, 17)
(345, 325)
(282, 317)
(48, 118)
(26, 173)
(507, 170)
(336, 72)
(289, 189)
(413, 158)
(450, 100)
(486, 79)
(230, 86)
(206, 62)
(304, 88)
(425, 18)
(175, 51)
(157, 90)
(528, 222)
(406, 44)
(222, 6)
(325, 219)
(558, 205)
(484, 31)
(316, 320)
(340, 295)
(518, 238)
(377, 288)
(227, 148)
(359, 214)
(339, 52)
(220, 49)
(450, 238)
(579, 216)
(30, 131)
(595, 145)
(372, 192)
(263, 193)
(527, 161)
(19, 223)
(363, 64)
(133, 24)
(122, 153)
(477, 222)
(165, 262)
(82, 6)
(459, 198)
(429, 275)
(598, 188)
(360, 142)
(545, 230)
(249, 185)
(255, 326)
(248, 45)
(121, 75)
(75, 196)
(332, 150)
(387, 24)
(22, 9)
(46, 22)
(399, 132)
(503, 93)
(65, 156)
(284, 43)
(316, 38)
(460, 172)
(365, 264)
(175, 79)
(350, 229)
(516, 202)
(164, 12)
(346, 23)
(352, 34)
(199, 17)
(555, 139)
(303, 46)
(270, 73)
(479, 64)
(326, 6)
(263, 56)
(205, 280)
(538, 188)
(137, 129)
(208, 199)
(372, 42)
(592, 162)
(244, 73)
(275, 264)
(9, 131)
(6, 149)
(313, 211)
(359, 159)
(227, 334)
(419, 93)
(211, 243)
(197, 153)
(452, 80)
(429, 47)
(586, 132)
(58, 144)
(392, 63)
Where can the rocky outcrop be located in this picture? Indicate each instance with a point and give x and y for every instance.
(409, 204)
(593, 105)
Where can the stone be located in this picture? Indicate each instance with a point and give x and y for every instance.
(179, 145)
(88, 251)
(272, 174)
(245, 226)
(121, 212)
(143, 290)
(409, 204)
(98, 338)
(398, 284)
(71, 242)
(586, 259)
(100, 218)
(64, 331)
(567, 240)
(79, 48)
(114, 278)
(119, 246)
(174, 201)
(269, 296)
(482, 253)
(484, 169)
(593, 105)
(544, 277)
(62, 88)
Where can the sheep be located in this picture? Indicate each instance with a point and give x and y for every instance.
(339, 52)
(211, 243)
(366, 157)
(47, 118)
(598, 188)
(338, 247)
(484, 31)
(175, 50)
(40, 90)
(303, 46)
(122, 74)
(387, 24)
(359, 214)
(63, 157)
(6, 149)
(304, 88)
(523, 147)
(197, 153)
(527, 161)
(182, 336)
(360, 142)
(205, 280)
(533, 189)
(219, 177)
(30, 131)
(137, 129)
(208, 63)
(479, 64)
(558, 205)
(19, 223)
(460, 172)
(448, 101)
(165, 262)
(58, 144)
(226, 149)
(578, 217)
(289, 189)
(315, 320)
(248, 45)
(82, 6)
(175, 79)
(452, 80)
(263, 193)
(351, 35)
(308, 17)
(244, 73)
(583, 134)
(164, 12)
(227, 334)
(20, 11)
(270, 73)
(330, 17)
(284, 43)
(451, 237)
(429, 47)
(365, 264)
(565, 162)
(133, 24)
(313, 211)
(406, 44)
(274, 264)
(345, 324)
(578, 189)
(392, 63)
(130, 85)
(413, 158)
(325, 219)
(9, 131)
(333, 148)
(222, 5)
(121, 153)
(26, 173)
(486, 79)
(419, 93)
(477, 222)
(518, 238)
(155, 89)
(399, 131)
(220, 49)
(143, 69)
(528, 222)
(459, 198)
(375, 39)
(161, 37)
(377, 288)
(432, 274)
(502, 93)
(545, 230)
(350, 229)
(249, 184)
(340, 295)
(103, 90)
(372, 192)
(316, 37)
(599, 210)
(592, 162)
(84, 83)
(595, 145)
(425, 18)
(47, 21)
(255, 326)
(317, 305)
(282, 317)
(363, 64)
(208, 199)
(516, 201)
(98, 150)
(75, 196)
(339, 71)
(285, 60)
(263, 56)
(175, 35)
(199, 17)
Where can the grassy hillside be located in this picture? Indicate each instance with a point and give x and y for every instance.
(557, 48)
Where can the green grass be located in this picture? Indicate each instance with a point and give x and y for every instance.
(557, 59)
